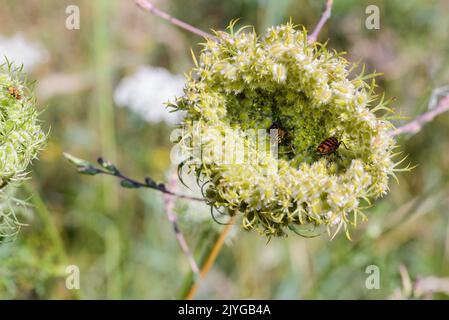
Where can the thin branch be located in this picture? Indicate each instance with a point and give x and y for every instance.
(212, 256)
(324, 17)
(110, 169)
(149, 184)
(169, 202)
(417, 124)
(107, 168)
(149, 7)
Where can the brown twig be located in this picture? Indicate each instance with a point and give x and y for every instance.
(324, 17)
(212, 256)
(148, 6)
(169, 202)
(417, 124)
(147, 184)
(108, 168)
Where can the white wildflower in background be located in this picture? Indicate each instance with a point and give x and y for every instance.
(146, 92)
(18, 49)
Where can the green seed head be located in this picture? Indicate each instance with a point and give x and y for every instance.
(21, 136)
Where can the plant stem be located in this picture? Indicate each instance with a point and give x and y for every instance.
(417, 124)
(102, 105)
(145, 185)
(204, 244)
(148, 6)
(324, 17)
(169, 202)
(211, 257)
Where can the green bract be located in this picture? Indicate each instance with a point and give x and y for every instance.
(21, 136)
(242, 83)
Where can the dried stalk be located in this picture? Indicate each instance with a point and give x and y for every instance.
(212, 256)
(416, 125)
(148, 6)
(169, 202)
(324, 17)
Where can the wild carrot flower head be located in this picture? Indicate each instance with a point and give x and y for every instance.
(244, 83)
(21, 136)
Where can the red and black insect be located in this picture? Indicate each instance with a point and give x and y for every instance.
(281, 133)
(13, 91)
(328, 146)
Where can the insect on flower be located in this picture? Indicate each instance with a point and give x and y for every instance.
(283, 137)
(272, 89)
(13, 91)
(329, 146)
(281, 133)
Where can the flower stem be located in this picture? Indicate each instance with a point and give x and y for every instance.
(416, 125)
(148, 6)
(324, 17)
(210, 259)
(169, 202)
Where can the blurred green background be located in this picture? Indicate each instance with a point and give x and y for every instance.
(121, 239)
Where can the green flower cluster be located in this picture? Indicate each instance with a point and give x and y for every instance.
(244, 82)
(21, 136)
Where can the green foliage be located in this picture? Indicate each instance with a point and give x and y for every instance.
(122, 241)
